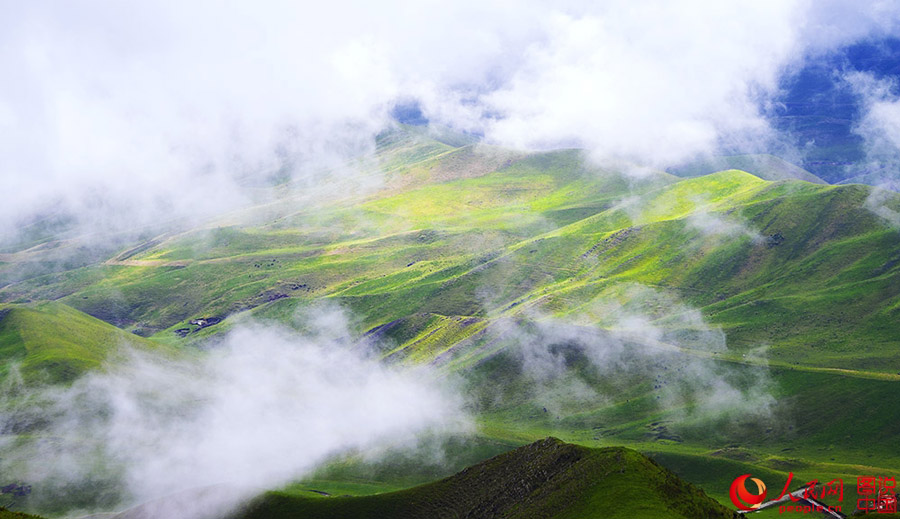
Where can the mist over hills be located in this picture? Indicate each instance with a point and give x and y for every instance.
(133, 117)
(818, 112)
(709, 319)
(453, 219)
(356, 260)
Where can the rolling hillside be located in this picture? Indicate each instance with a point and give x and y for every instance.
(548, 478)
(806, 269)
(785, 293)
(51, 342)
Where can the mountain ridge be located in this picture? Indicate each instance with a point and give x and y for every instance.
(547, 478)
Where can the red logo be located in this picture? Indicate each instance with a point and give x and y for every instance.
(743, 499)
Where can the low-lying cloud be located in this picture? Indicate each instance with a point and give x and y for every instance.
(725, 226)
(262, 409)
(879, 127)
(639, 333)
(121, 116)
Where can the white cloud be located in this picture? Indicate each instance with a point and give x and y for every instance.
(123, 113)
(649, 81)
(880, 123)
(880, 129)
(262, 409)
(719, 225)
(653, 336)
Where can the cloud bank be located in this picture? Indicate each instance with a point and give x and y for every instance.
(637, 342)
(261, 410)
(170, 110)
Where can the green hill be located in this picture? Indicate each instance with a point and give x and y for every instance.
(467, 252)
(768, 167)
(548, 479)
(806, 269)
(52, 342)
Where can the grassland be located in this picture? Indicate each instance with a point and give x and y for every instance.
(547, 479)
(464, 243)
(50, 342)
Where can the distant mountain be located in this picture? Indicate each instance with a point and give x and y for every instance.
(766, 167)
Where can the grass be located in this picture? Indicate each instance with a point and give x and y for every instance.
(51, 342)
(548, 479)
(464, 240)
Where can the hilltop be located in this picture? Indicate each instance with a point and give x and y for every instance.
(548, 478)
(51, 342)
(766, 167)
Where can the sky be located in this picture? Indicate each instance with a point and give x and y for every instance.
(120, 114)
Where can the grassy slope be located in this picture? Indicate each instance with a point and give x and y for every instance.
(463, 238)
(547, 479)
(8, 514)
(55, 343)
(551, 236)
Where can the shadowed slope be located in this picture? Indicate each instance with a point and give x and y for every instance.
(548, 479)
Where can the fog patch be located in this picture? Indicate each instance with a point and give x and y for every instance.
(880, 129)
(176, 111)
(631, 339)
(265, 407)
(717, 224)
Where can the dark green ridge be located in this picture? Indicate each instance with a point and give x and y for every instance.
(546, 479)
